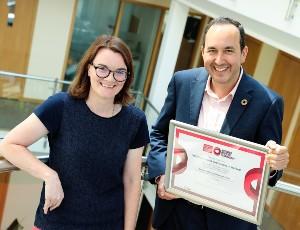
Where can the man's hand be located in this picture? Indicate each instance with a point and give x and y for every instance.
(161, 192)
(278, 156)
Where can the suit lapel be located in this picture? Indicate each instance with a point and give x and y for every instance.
(239, 103)
(197, 87)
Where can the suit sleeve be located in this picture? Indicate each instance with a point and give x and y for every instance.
(271, 129)
(156, 159)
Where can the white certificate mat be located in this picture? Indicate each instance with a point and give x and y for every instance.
(218, 171)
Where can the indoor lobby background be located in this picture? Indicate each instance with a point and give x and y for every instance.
(41, 42)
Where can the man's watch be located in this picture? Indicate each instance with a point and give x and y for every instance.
(157, 179)
(272, 173)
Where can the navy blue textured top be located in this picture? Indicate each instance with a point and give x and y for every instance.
(88, 152)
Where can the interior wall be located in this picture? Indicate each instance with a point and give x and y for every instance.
(22, 200)
(171, 41)
(277, 31)
(49, 45)
(265, 63)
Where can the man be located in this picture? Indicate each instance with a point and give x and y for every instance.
(223, 98)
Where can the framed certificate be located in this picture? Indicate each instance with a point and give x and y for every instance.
(217, 171)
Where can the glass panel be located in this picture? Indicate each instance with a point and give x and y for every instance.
(138, 29)
(15, 109)
(93, 18)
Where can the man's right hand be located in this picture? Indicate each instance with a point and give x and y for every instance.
(161, 191)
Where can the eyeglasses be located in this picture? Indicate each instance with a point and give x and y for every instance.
(102, 71)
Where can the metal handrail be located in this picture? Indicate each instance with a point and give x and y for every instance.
(280, 186)
(33, 77)
(55, 81)
(5, 166)
(286, 187)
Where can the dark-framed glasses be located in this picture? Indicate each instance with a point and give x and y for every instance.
(102, 71)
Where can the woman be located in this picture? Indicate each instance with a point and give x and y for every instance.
(92, 179)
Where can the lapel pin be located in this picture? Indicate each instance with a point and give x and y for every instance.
(244, 102)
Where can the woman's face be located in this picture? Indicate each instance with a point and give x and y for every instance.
(106, 64)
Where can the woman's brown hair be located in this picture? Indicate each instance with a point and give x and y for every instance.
(80, 86)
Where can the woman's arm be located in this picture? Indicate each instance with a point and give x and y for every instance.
(14, 149)
(132, 186)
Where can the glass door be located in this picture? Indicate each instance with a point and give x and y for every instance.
(139, 28)
(138, 22)
(93, 18)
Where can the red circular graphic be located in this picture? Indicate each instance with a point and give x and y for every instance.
(179, 161)
(217, 151)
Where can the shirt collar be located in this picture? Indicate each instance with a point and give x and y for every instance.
(211, 93)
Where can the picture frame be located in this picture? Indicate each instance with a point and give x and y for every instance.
(217, 171)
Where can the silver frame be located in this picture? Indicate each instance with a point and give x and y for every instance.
(257, 218)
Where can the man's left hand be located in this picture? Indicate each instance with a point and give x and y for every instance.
(278, 156)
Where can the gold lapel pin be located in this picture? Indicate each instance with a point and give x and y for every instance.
(244, 102)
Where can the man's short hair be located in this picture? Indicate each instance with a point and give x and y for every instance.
(225, 21)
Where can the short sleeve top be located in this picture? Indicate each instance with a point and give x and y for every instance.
(88, 152)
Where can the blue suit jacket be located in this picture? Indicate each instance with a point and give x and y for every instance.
(259, 121)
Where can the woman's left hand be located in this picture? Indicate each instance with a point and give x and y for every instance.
(54, 193)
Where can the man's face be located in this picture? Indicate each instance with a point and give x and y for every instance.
(222, 54)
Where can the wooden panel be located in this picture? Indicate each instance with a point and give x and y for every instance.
(254, 46)
(285, 80)
(154, 55)
(68, 47)
(15, 44)
(163, 4)
(286, 208)
(4, 180)
(295, 150)
(189, 55)
(184, 55)
(197, 59)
